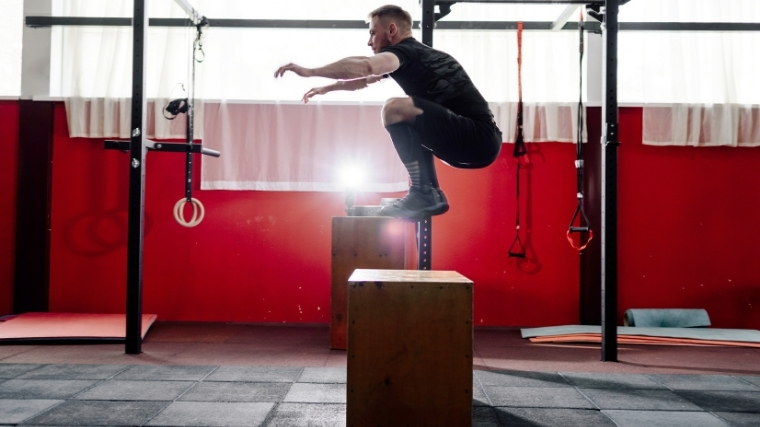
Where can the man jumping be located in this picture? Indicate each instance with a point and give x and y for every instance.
(443, 115)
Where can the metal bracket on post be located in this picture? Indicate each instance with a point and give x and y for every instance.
(424, 243)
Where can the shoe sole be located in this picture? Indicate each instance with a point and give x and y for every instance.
(417, 215)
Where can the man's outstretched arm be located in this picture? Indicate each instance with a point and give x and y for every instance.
(353, 67)
(354, 84)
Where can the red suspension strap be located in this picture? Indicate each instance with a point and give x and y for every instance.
(584, 225)
(517, 250)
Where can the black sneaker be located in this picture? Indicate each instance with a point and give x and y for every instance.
(417, 205)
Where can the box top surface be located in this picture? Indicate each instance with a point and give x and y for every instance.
(405, 276)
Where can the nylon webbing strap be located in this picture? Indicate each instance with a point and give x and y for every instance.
(517, 250)
(584, 226)
(519, 148)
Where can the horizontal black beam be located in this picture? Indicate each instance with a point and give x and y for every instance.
(47, 21)
(523, 1)
(508, 25)
(79, 21)
(595, 26)
(162, 146)
(689, 26)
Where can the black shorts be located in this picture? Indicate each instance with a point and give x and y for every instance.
(460, 141)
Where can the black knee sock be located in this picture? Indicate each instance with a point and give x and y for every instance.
(417, 159)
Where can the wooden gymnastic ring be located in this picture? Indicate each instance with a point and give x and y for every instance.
(198, 212)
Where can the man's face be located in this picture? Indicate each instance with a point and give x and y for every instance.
(379, 36)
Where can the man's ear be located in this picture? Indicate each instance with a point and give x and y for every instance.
(392, 29)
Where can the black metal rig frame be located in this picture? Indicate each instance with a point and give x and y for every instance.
(138, 145)
(610, 145)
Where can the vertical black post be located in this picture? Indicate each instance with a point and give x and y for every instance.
(35, 168)
(610, 146)
(425, 226)
(428, 21)
(136, 181)
(190, 127)
(591, 257)
(424, 244)
(189, 156)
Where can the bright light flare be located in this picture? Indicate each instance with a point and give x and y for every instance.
(352, 177)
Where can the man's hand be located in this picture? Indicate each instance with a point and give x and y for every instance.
(315, 91)
(301, 71)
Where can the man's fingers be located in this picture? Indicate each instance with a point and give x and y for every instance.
(281, 71)
(307, 96)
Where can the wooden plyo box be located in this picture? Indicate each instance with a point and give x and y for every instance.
(363, 242)
(409, 349)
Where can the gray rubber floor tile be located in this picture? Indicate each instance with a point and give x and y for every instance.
(12, 370)
(485, 417)
(89, 413)
(316, 393)
(651, 400)
(521, 379)
(237, 392)
(15, 411)
(136, 390)
(537, 397)
(737, 419)
(165, 373)
(479, 397)
(261, 374)
(73, 372)
(323, 375)
(703, 382)
(751, 379)
(550, 417)
(43, 389)
(249, 414)
(664, 419)
(612, 381)
(308, 415)
(724, 401)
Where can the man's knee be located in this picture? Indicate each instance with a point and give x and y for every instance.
(398, 110)
(392, 110)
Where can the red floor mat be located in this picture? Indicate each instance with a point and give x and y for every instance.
(62, 326)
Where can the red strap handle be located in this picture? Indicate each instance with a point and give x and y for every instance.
(572, 243)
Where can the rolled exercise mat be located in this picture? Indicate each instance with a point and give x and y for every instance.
(666, 317)
(641, 335)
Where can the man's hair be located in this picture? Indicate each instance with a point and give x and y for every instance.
(399, 16)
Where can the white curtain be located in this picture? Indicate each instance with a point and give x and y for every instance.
(267, 141)
(96, 72)
(288, 146)
(697, 88)
(11, 28)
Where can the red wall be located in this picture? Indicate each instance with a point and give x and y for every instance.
(689, 227)
(9, 111)
(687, 234)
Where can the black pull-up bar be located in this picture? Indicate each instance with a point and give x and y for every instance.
(163, 146)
